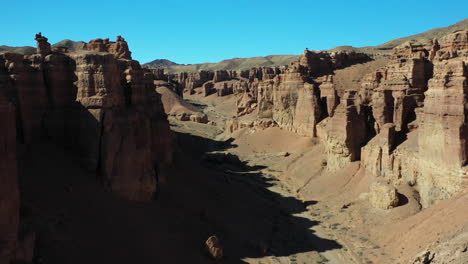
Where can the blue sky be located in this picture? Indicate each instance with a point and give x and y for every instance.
(210, 31)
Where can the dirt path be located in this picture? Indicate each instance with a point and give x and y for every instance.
(332, 251)
(302, 230)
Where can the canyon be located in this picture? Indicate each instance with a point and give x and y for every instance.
(340, 156)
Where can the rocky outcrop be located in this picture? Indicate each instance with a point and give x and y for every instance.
(296, 97)
(98, 103)
(118, 48)
(28, 91)
(401, 87)
(295, 105)
(225, 89)
(102, 106)
(383, 196)
(422, 143)
(214, 248)
(407, 122)
(191, 80)
(329, 95)
(454, 251)
(344, 133)
(443, 131)
(208, 88)
(9, 193)
(175, 106)
(221, 75)
(43, 46)
(236, 124)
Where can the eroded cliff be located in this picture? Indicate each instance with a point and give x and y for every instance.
(99, 103)
(405, 122)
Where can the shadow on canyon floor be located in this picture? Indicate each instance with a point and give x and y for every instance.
(78, 221)
(277, 230)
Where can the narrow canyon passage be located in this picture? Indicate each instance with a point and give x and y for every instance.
(247, 168)
(348, 155)
(206, 192)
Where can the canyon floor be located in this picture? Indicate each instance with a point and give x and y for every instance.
(264, 193)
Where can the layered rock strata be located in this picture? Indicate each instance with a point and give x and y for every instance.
(298, 96)
(407, 122)
(99, 103)
(419, 104)
(9, 193)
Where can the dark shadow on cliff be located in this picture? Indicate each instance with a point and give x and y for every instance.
(250, 220)
(78, 220)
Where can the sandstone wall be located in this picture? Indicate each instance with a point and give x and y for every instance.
(99, 103)
(443, 132)
(430, 150)
(407, 122)
(9, 193)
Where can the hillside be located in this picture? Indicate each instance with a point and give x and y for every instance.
(231, 64)
(280, 60)
(161, 63)
(26, 50)
(426, 36)
(69, 44)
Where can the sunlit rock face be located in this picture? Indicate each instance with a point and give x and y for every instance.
(343, 133)
(443, 135)
(433, 157)
(119, 48)
(298, 96)
(406, 122)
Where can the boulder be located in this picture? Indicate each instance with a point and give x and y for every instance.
(383, 196)
(199, 118)
(214, 248)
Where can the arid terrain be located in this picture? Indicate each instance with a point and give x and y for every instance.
(350, 155)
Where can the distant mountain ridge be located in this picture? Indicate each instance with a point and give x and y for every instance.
(426, 36)
(161, 63)
(230, 64)
(28, 50)
(69, 44)
(281, 60)
(267, 61)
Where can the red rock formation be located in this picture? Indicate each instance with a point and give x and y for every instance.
(296, 97)
(43, 47)
(329, 93)
(344, 133)
(434, 157)
(119, 48)
(9, 194)
(102, 105)
(295, 104)
(191, 80)
(226, 89)
(30, 92)
(208, 88)
(401, 87)
(443, 131)
(221, 75)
